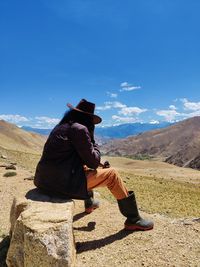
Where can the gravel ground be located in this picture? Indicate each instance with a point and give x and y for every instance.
(101, 240)
(9, 188)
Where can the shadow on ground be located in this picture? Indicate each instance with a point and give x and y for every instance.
(96, 244)
(90, 226)
(4, 245)
(78, 216)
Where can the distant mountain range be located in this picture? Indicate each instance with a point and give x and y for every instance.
(36, 130)
(178, 144)
(125, 130)
(112, 132)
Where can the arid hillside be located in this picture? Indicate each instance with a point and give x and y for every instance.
(178, 144)
(16, 139)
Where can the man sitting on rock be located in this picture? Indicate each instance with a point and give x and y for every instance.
(69, 166)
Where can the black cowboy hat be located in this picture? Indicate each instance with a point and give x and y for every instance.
(87, 108)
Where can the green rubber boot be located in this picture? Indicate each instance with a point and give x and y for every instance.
(91, 204)
(128, 208)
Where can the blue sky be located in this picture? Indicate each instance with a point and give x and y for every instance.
(138, 60)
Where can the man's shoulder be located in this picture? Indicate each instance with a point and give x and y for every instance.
(79, 131)
(78, 127)
(67, 126)
(71, 130)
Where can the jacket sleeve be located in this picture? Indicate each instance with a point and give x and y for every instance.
(88, 151)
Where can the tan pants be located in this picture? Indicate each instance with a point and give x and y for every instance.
(109, 178)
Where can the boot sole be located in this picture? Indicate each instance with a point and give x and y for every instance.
(137, 228)
(90, 210)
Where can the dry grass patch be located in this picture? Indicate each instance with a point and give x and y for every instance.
(154, 168)
(10, 174)
(157, 195)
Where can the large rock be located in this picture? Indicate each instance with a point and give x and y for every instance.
(41, 232)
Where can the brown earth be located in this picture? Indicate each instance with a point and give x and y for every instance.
(16, 139)
(100, 238)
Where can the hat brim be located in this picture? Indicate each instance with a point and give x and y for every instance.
(96, 119)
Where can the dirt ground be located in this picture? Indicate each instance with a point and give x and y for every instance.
(9, 188)
(100, 238)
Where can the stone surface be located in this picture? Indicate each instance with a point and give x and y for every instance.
(41, 232)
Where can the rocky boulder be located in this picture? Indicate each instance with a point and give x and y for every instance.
(41, 232)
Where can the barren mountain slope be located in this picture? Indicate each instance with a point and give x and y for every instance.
(14, 138)
(181, 140)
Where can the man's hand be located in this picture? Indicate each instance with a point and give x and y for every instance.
(104, 165)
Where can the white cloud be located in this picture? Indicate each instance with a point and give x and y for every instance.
(172, 107)
(195, 106)
(46, 122)
(112, 95)
(154, 122)
(191, 109)
(130, 88)
(37, 122)
(169, 115)
(13, 118)
(128, 111)
(191, 114)
(105, 107)
(125, 86)
(119, 119)
(117, 104)
(109, 105)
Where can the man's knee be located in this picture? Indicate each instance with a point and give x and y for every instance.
(112, 171)
(113, 174)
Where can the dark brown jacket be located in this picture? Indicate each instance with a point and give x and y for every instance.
(60, 170)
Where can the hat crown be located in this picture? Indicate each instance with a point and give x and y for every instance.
(86, 106)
